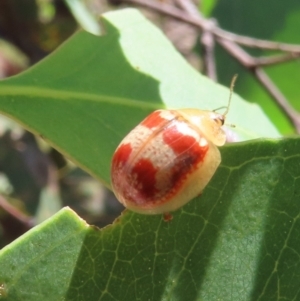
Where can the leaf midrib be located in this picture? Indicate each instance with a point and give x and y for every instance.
(65, 95)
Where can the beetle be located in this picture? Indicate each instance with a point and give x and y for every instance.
(168, 159)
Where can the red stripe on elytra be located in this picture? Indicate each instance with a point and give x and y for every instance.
(154, 120)
(145, 174)
(189, 154)
(122, 154)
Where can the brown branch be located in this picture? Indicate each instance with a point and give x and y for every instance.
(256, 43)
(204, 24)
(15, 213)
(208, 43)
(276, 59)
(189, 7)
(230, 41)
(13, 222)
(207, 40)
(281, 100)
(253, 64)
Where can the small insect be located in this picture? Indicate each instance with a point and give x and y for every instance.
(168, 159)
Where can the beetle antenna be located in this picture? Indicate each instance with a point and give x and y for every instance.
(231, 91)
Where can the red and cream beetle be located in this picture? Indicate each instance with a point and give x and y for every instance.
(168, 159)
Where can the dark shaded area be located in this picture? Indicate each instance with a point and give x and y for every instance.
(20, 25)
(32, 169)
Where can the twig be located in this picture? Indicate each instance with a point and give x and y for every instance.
(272, 89)
(254, 64)
(203, 24)
(15, 213)
(276, 59)
(256, 43)
(208, 43)
(207, 40)
(230, 41)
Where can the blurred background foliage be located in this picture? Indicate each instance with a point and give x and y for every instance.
(36, 180)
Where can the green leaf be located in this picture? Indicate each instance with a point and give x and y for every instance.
(90, 93)
(238, 241)
(27, 261)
